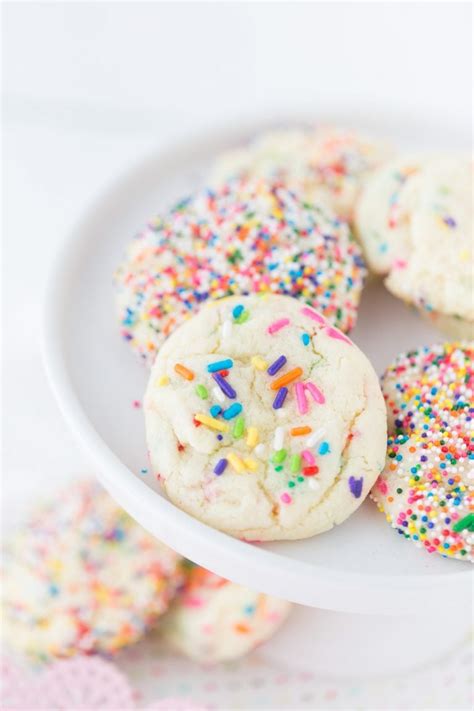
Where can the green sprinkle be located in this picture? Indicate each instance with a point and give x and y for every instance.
(239, 427)
(300, 478)
(279, 469)
(242, 318)
(201, 391)
(295, 463)
(466, 522)
(279, 457)
(291, 484)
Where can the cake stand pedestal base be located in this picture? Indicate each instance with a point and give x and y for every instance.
(345, 644)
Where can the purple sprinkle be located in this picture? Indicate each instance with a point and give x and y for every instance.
(280, 398)
(220, 466)
(275, 367)
(220, 437)
(224, 386)
(355, 485)
(450, 221)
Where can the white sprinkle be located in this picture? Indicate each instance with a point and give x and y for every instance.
(278, 439)
(261, 451)
(313, 484)
(218, 394)
(226, 330)
(315, 437)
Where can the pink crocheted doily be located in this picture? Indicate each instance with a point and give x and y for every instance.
(82, 683)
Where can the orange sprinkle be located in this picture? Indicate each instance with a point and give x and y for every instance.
(184, 372)
(298, 431)
(287, 378)
(242, 628)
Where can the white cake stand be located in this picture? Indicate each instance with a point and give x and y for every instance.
(373, 603)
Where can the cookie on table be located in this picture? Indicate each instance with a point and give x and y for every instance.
(427, 487)
(246, 237)
(81, 576)
(326, 164)
(263, 420)
(213, 620)
(435, 271)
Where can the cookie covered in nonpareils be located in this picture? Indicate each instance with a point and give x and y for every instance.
(427, 487)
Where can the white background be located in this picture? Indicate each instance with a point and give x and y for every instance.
(89, 88)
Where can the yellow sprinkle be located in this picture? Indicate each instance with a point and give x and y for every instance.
(162, 380)
(236, 462)
(211, 422)
(251, 464)
(252, 436)
(259, 363)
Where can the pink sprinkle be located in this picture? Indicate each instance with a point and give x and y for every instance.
(382, 486)
(308, 457)
(286, 498)
(334, 333)
(313, 315)
(190, 601)
(136, 404)
(315, 392)
(301, 399)
(277, 325)
(399, 264)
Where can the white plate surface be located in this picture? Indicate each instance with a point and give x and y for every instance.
(361, 566)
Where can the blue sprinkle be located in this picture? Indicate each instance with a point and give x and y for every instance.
(232, 411)
(237, 310)
(305, 338)
(144, 471)
(220, 365)
(215, 410)
(324, 448)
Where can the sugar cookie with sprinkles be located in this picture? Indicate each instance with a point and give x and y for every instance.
(427, 487)
(327, 163)
(384, 209)
(434, 268)
(81, 577)
(213, 620)
(263, 420)
(246, 237)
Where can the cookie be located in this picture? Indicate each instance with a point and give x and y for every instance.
(434, 270)
(263, 420)
(327, 164)
(427, 487)
(383, 211)
(214, 620)
(247, 237)
(81, 576)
